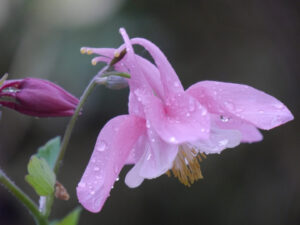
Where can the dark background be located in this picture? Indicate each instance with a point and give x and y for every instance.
(252, 42)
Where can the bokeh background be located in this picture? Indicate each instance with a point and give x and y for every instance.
(253, 42)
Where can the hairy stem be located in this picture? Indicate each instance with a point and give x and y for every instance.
(22, 197)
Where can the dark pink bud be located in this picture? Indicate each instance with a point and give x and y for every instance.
(37, 97)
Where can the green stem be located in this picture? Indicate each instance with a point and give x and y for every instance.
(71, 124)
(22, 197)
(46, 208)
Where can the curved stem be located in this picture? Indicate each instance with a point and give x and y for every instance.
(22, 197)
(71, 124)
(46, 208)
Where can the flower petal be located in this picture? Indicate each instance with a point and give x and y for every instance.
(241, 101)
(219, 140)
(248, 131)
(168, 76)
(181, 119)
(157, 159)
(111, 151)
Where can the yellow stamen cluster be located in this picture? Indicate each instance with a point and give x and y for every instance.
(86, 51)
(186, 166)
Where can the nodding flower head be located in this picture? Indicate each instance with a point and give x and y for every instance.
(169, 130)
(37, 97)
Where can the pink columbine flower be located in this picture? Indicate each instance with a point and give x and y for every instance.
(169, 129)
(37, 97)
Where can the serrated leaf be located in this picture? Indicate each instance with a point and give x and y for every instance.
(40, 176)
(50, 151)
(71, 219)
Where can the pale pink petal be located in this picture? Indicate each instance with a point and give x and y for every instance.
(168, 76)
(112, 149)
(180, 119)
(219, 140)
(137, 150)
(248, 131)
(157, 159)
(241, 101)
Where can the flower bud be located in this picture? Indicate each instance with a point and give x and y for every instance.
(37, 97)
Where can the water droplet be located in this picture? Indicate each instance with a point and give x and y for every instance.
(229, 105)
(149, 157)
(176, 84)
(172, 139)
(96, 168)
(191, 106)
(148, 124)
(204, 112)
(82, 184)
(188, 114)
(102, 146)
(224, 119)
(223, 142)
(97, 203)
(92, 192)
(279, 106)
(202, 130)
(117, 179)
(152, 139)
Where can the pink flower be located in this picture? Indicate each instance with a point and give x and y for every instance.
(169, 129)
(37, 97)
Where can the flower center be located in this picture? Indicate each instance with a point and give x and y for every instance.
(186, 166)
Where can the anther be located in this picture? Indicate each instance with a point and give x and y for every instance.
(83, 50)
(89, 51)
(94, 62)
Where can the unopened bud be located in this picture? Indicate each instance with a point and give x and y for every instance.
(37, 97)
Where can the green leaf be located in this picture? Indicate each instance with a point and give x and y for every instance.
(40, 177)
(50, 151)
(72, 218)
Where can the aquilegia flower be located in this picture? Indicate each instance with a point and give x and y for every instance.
(37, 97)
(169, 129)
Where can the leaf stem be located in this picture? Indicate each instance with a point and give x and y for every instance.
(22, 197)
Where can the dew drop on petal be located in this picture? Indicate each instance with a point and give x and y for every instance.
(102, 146)
(172, 139)
(81, 185)
(229, 105)
(176, 84)
(148, 124)
(117, 179)
(223, 142)
(96, 168)
(224, 119)
(149, 157)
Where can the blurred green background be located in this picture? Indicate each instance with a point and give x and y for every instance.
(252, 42)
